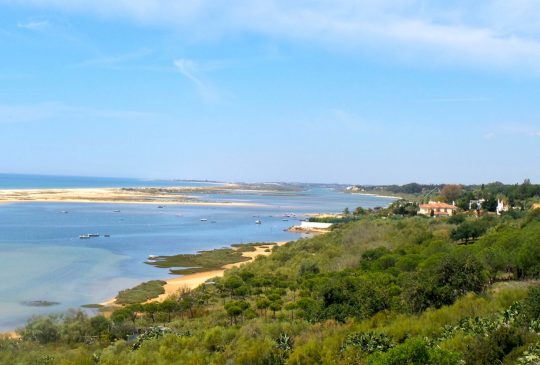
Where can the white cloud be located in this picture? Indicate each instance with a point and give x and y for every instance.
(494, 33)
(192, 71)
(114, 60)
(34, 25)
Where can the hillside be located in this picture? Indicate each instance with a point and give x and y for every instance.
(376, 290)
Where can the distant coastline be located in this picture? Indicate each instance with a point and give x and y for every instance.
(375, 195)
(161, 196)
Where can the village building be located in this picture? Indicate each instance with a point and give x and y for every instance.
(476, 204)
(501, 207)
(437, 209)
(315, 225)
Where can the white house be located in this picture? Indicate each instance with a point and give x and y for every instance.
(501, 207)
(478, 204)
(314, 225)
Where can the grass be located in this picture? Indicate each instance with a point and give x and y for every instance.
(92, 306)
(250, 247)
(141, 293)
(39, 303)
(184, 264)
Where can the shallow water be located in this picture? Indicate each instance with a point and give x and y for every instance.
(42, 257)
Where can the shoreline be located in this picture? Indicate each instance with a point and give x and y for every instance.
(139, 202)
(377, 195)
(176, 283)
(111, 196)
(192, 281)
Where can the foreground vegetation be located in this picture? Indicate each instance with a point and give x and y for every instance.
(380, 289)
(202, 261)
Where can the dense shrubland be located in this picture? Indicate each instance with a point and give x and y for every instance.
(378, 290)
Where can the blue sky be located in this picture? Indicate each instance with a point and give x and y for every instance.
(366, 92)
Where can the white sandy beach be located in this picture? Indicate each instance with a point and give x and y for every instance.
(192, 281)
(108, 195)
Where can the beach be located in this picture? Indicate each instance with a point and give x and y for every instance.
(42, 226)
(191, 281)
(162, 196)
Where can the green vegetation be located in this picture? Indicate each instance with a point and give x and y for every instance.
(380, 289)
(520, 196)
(141, 293)
(250, 247)
(202, 261)
(39, 303)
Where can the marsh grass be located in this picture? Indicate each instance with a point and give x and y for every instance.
(141, 293)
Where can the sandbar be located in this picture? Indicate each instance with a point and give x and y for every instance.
(170, 196)
(191, 281)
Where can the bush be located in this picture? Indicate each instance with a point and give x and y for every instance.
(493, 348)
(414, 351)
(41, 329)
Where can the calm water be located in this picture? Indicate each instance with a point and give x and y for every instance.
(42, 258)
(18, 181)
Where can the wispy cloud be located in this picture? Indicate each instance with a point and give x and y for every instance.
(495, 33)
(34, 25)
(115, 60)
(192, 71)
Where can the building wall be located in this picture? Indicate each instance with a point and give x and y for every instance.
(315, 225)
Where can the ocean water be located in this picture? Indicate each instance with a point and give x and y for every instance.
(42, 257)
(20, 181)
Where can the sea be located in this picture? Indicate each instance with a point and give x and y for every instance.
(42, 258)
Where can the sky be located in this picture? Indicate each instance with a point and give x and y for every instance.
(357, 92)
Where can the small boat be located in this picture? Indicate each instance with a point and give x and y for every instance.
(160, 206)
(84, 236)
(93, 235)
(116, 211)
(64, 211)
(106, 235)
(204, 219)
(285, 220)
(258, 222)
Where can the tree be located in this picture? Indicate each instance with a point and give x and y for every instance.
(99, 325)
(468, 231)
(276, 306)
(232, 283)
(168, 306)
(151, 309)
(187, 303)
(125, 313)
(262, 305)
(41, 329)
(359, 211)
(451, 192)
(235, 309)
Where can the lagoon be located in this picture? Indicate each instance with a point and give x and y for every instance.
(43, 259)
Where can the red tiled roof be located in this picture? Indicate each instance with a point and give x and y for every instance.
(437, 206)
